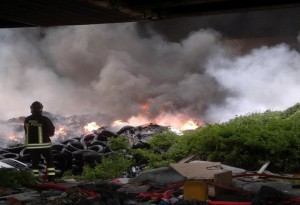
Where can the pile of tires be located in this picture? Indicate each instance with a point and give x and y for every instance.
(89, 149)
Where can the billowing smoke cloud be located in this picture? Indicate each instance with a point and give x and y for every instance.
(266, 78)
(107, 69)
(113, 70)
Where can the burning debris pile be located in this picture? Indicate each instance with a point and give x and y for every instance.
(72, 151)
(183, 181)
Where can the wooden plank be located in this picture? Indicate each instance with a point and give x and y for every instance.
(184, 160)
(203, 170)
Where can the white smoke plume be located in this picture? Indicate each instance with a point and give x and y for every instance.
(112, 70)
(265, 79)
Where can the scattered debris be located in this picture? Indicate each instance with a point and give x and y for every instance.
(189, 181)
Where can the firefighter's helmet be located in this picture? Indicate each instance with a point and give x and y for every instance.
(36, 107)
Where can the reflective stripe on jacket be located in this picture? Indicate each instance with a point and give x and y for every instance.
(38, 130)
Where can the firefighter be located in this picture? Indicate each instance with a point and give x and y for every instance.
(38, 130)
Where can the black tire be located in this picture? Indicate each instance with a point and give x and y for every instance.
(15, 150)
(10, 155)
(140, 145)
(63, 160)
(124, 129)
(96, 142)
(74, 146)
(105, 134)
(92, 157)
(67, 153)
(25, 158)
(78, 154)
(24, 151)
(58, 147)
(86, 139)
(97, 148)
(2, 151)
(65, 142)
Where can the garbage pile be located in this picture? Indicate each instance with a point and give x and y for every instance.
(74, 153)
(189, 181)
(211, 183)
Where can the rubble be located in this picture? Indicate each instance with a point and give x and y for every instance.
(74, 153)
(189, 181)
(242, 188)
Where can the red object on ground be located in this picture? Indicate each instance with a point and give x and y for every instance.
(228, 203)
(55, 186)
(286, 201)
(13, 201)
(166, 195)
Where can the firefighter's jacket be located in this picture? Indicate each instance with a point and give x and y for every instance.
(38, 130)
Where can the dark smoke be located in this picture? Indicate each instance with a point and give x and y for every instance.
(113, 69)
(107, 69)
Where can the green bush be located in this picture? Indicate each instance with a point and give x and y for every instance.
(245, 141)
(163, 140)
(118, 143)
(13, 178)
(111, 166)
(248, 141)
(154, 159)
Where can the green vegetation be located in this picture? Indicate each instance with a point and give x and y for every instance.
(13, 178)
(245, 142)
(110, 167)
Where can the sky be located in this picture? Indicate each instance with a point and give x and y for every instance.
(130, 69)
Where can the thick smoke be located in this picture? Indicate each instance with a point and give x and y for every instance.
(113, 70)
(107, 69)
(265, 79)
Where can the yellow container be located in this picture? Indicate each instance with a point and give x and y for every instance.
(195, 190)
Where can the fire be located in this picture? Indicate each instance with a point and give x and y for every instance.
(177, 121)
(91, 127)
(144, 106)
(119, 123)
(61, 131)
(13, 137)
(189, 125)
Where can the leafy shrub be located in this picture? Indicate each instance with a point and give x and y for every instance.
(110, 167)
(13, 178)
(118, 143)
(154, 159)
(163, 140)
(248, 141)
(245, 141)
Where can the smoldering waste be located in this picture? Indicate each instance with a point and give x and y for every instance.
(73, 150)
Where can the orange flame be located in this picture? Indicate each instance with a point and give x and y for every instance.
(145, 106)
(118, 123)
(61, 131)
(13, 137)
(190, 125)
(177, 121)
(91, 127)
